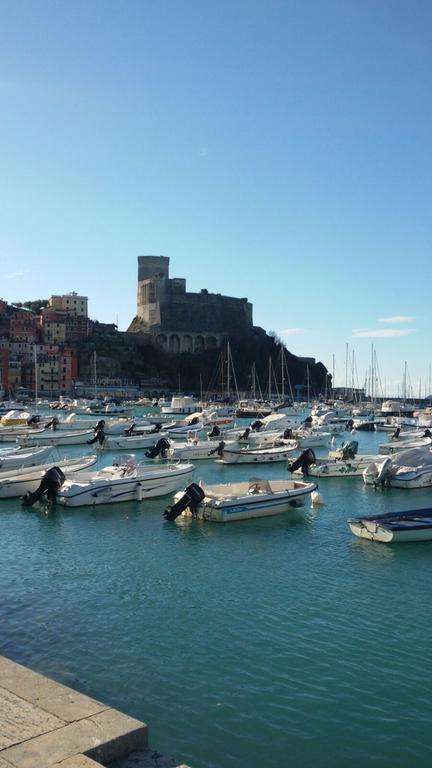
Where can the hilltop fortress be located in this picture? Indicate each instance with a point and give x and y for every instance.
(180, 321)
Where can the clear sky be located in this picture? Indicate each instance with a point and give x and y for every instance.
(279, 150)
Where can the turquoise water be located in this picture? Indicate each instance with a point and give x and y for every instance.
(281, 641)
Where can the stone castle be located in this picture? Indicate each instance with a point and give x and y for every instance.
(180, 321)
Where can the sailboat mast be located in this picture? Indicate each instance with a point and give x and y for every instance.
(228, 371)
(36, 374)
(282, 374)
(95, 373)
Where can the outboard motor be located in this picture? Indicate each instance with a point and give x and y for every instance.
(193, 421)
(350, 424)
(308, 420)
(33, 420)
(303, 462)
(288, 433)
(99, 434)
(395, 434)
(191, 498)
(215, 432)
(256, 426)
(51, 482)
(160, 449)
(348, 450)
(157, 428)
(383, 476)
(245, 434)
(219, 449)
(427, 433)
(130, 430)
(52, 423)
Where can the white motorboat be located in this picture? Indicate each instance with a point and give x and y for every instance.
(124, 481)
(196, 449)
(403, 445)
(58, 438)
(12, 434)
(181, 404)
(184, 431)
(310, 439)
(17, 482)
(406, 469)
(240, 501)
(24, 457)
(413, 525)
(129, 442)
(343, 462)
(256, 455)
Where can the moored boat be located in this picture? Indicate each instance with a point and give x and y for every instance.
(17, 482)
(256, 455)
(413, 525)
(123, 481)
(57, 438)
(406, 469)
(240, 501)
(24, 457)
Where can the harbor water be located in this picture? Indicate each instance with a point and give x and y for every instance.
(274, 642)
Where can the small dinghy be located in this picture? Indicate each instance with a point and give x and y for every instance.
(239, 501)
(414, 525)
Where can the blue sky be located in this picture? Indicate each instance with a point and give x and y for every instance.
(274, 150)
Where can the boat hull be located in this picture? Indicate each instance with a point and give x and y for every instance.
(254, 505)
(16, 484)
(113, 491)
(397, 527)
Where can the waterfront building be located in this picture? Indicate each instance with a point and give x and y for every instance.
(181, 321)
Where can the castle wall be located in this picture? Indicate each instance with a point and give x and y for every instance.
(182, 321)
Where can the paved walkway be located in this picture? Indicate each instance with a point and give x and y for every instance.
(46, 725)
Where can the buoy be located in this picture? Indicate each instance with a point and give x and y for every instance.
(316, 499)
(138, 492)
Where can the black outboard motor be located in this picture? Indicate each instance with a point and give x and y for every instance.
(219, 449)
(99, 433)
(51, 482)
(427, 433)
(160, 449)
(193, 421)
(33, 420)
(308, 420)
(350, 424)
(215, 432)
(349, 450)
(245, 434)
(303, 462)
(52, 423)
(287, 435)
(130, 430)
(191, 498)
(157, 428)
(256, 426)
(395, 434)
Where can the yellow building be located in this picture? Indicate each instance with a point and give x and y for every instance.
(70, 302)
